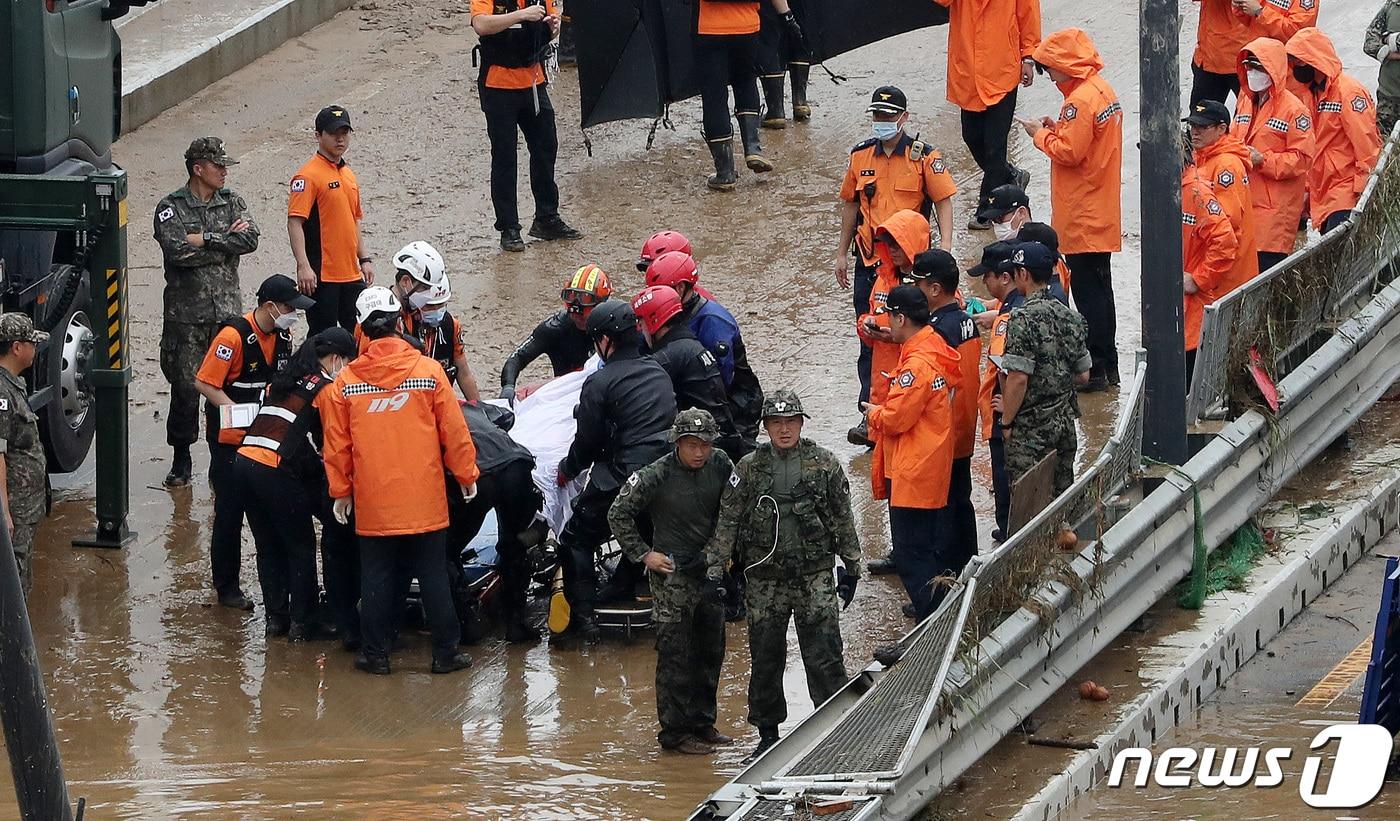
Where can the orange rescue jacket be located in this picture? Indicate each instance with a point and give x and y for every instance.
(1208, 249)
(1223, 165)
(986, 41)
(1085, 148)
(1344, 122)
(391, 424)
(911, 231)
(1222, 31)
(1278, 125)
(913, 429)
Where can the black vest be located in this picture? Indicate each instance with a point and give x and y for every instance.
(247, 386)
(519, 46)
(282, 424)
(439, 342)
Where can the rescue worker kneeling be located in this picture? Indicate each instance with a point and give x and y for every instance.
(280, 473)
(391, 425)
(913, 461)
(680, 494)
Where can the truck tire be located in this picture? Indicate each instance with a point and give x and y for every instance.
(67, 421)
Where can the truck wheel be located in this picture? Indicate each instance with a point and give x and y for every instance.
(65, 422)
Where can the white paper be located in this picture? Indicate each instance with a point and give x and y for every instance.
(237, 416)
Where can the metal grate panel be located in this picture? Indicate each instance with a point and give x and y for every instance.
(787, 809)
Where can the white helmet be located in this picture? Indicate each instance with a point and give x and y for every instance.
(421, 261)
(374, 300)
(439, 294)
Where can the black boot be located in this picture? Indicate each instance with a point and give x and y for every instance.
(801, 110)
(773, 116)
(724, 178)
(181, 468)
(753, 149)
(767, 737)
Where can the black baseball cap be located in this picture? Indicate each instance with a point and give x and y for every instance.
(283, 289)
(1029, 255)
(1208, 112)
(1041, 233)
(888, 100)
(934, 262)
(992, 256)
(906, 299)
(333, 118)
(1001, 201)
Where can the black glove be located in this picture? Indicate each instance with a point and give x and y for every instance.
(712, 591)
(508, 394)
(794, 33)
(846, 586)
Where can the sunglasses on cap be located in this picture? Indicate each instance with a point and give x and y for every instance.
(580, 298)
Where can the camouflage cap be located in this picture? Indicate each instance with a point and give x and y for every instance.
(783, 403)
(19, 328)
(211, 149)
(694, 422)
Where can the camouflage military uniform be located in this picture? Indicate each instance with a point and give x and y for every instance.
(683, 505)
(785, 522)
(1046, 340)
(201, 284)
(26, 473)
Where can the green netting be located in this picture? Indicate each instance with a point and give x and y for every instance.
(1226, 569)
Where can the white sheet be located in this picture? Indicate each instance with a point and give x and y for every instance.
(544, 423)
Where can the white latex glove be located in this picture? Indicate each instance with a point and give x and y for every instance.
(341, 509)
(469, 491)
(1393, 40)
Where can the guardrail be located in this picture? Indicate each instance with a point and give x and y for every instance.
(1285, 312)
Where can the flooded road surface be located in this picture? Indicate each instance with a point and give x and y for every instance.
(167, 707)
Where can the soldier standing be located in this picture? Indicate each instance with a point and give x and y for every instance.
(680, 493)
(1045, 358)
(789, 515)
(203, 229)
(22, 462)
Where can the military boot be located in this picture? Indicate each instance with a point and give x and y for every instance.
(860, 435)
(767, 737)
(801, 110)
(724, 178)
(753, 148)
(181, 469)
(773, 116)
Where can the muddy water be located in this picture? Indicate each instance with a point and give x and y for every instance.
(167, 707)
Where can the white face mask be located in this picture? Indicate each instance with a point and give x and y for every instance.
(284, 322)
(1004, 231)
(1258, 80)
(418, 299)
(434, 318)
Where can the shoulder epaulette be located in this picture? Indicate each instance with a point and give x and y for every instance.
(865, 144)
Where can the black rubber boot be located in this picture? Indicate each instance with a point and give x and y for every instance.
(801, 110)
(773, 115)
(753, 148)
(767, 737)
(724, 178)
(181, 468)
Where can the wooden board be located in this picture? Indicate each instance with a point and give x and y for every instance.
(1031, 493)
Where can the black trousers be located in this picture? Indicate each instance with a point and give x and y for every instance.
(1091, 279)
(722, 62)
(862, 283)
(964, 515)
(506, 111)
(511, 492)
(340, 569)
(986, 134)
(923, 546)
(225, 542)
(335, 305)
(388, 565)
(586, 531)
(1001, 482)
(1209, 86)
(1268, 259)
(1334, 219)
(280, 516)
(776, 50)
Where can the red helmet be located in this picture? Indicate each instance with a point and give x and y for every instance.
(660, 243)
(672, 268)
(655, 306)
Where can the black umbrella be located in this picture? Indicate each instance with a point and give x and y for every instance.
(833, 27)
(617, 67)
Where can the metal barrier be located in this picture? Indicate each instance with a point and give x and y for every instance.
(875, 740)
(1280, 313)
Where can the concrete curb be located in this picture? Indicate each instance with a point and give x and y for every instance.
(1229, 647)
(184, 74)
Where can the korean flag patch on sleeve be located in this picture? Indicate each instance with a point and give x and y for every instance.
(733, 479)
(4, 404)
(224, 352)
(166, 214)
(298, 185)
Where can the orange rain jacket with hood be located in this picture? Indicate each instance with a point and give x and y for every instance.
(1224, 166)
(913, 428)
(1209, 248)
(391, 423)
(986, 41)
(1344, 122)
(911, 231)
(1222, 31)
(1085, 148)
(1278, 125)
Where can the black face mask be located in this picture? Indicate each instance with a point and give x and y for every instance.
(1304, 74)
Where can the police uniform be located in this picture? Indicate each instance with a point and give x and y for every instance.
(784, 523)
(201, 283)
(26, 472)
(682, 505)
(912, 177)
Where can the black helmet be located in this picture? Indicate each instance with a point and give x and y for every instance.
(612, 318)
